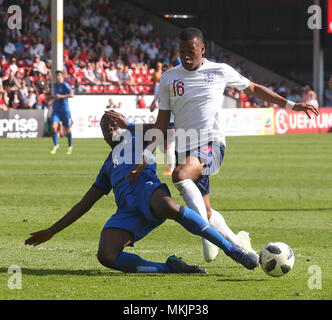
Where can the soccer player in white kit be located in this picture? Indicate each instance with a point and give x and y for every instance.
(193, 92)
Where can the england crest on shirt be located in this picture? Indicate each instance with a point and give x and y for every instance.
(209, 77)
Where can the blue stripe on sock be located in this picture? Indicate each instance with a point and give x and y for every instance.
(132, 263)
(55, 138)
(70, 139)
(195, 224)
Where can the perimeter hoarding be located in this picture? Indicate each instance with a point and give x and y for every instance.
(22, 124)
(243, 122)
(86, 112)
(288, 121)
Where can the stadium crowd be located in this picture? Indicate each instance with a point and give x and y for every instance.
(107, 49)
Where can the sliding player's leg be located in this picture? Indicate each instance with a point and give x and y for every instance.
(164, 207)
(111, 254)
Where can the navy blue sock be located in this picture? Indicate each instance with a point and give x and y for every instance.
(132, 263)
(195, 224)
(55, 138)
(70, 139)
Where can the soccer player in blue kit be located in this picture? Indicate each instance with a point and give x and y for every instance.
(142, 206)
(61, 112)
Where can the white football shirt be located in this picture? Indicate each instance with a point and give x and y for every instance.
(195, 98)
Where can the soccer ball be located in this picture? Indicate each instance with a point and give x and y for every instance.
(276, 259)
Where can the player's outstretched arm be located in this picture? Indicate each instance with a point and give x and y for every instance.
(265, 94)
(161, 125)
(87, 202)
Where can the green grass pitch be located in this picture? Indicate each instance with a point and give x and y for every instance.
(278, 188)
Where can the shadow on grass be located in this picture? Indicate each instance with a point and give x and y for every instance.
(109, 273)
(94, 273)
(240, 280)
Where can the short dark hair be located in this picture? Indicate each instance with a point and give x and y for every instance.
(59, 71)
(191, 34)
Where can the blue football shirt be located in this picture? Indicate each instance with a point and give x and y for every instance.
(119, 163)
(61, 104)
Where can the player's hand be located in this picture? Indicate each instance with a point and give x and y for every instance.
(39, 237)
(118, 118)
(136, 172)
(58, 96)
(305, 107)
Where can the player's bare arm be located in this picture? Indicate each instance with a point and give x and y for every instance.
(64, 96)
(82, 207)
(162, 125)
(121, 121)
(265, 94)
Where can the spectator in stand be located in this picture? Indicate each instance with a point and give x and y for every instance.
(107, 49)
(328, 93)
(111, 104)
(23, 95)
(293, 95)
(71, 10)
(309, 95)
(144, 45)
(19, 46)
(13, 68)
(40, 83)
(157, 73)
(3, 101)
(141, 103)
(152, 52)
(44, 33)
(100, 71)
(312, 99)
(14, 103)
(82, 53)
(9, 48)
(33, 50)
(126, 79)
(39, 65)
(118, 61)
(69, 65)
(3, 63)
(40, 47)
(26, 76)
(176, 58)
(11, 86)
(146, 27)
(112, 75)
(32, 99)
(89, 75)
(282, 90)
(167, 58)
(132, 57)
(135, 41)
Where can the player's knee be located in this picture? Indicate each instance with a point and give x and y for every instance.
(107, 260)
(179, 175)
(169, 209)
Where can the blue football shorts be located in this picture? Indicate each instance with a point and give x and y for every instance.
(134, 214)
(212, 155)
(65, 117)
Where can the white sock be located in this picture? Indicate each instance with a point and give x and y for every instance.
(192, 196)
(170, 154)
(218, 222)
